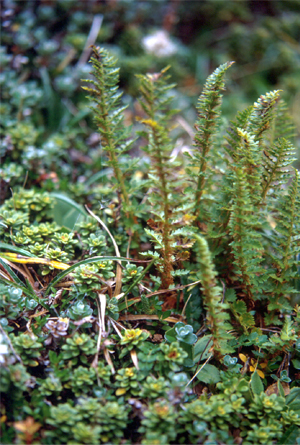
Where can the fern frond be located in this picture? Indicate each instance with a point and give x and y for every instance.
(250, 159)
(246, 244)
(233, 137)
(276, 162)
(282, 125)
(288, 333)
(212, 294)
(262, 114)
(108, 115)
(156, 104)
(289, 222)
(145, 305)
(286, 249)
(241, 314)
(208, 115)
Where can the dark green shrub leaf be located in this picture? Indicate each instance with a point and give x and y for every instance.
(209, 374)
(256, 384)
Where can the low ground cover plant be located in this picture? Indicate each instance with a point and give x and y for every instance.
(167, 309)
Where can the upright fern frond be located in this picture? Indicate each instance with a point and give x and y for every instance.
(287, 248)
(289, 223)
(282, 125)
(247, 138)
(250, 159)
(237, 157)
(108, 115)
(255, 120)
(276, 164)
(212, 296)
(208, 113)
(155, 103)
(262, 114)
(233, 137)
(246, 245)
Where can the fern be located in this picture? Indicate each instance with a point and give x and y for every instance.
(240, 311)
(276, 164)
(247, 138)
(146, 305)
(262, 115)
(257, 171)
(237, 190)
(208, 116)
(217, 317)
(246, 244)
(282, 125)
(288, 332)
(233, 139)
(155, 102)
(250, 160)
(285, 250)
(108, 116)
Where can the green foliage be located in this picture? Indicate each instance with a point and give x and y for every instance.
(154, 388)
(127, 380)
(212, 299)
(36, 205)
(155, 103)
(82, 379)
(132, 338)
(181, 332)
(285, 248)
(110, 346)
(173, 353)
(159, 419)
(78, 346)
(209, 374)
(208, 113)
(29, 347)
(184, 335)
(108, 115)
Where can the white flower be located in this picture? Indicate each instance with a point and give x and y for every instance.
(3, 349)
(159, 43)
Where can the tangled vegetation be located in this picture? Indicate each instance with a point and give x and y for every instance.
(167, 309)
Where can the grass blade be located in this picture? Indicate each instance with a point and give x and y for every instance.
(15, 249)
(11, 272)
(69, 201)
(95, 259)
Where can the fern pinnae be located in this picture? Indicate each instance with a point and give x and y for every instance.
(246, 142)
(145, 305)
(276, 166)
(208, 114)
(250, 158)
(155, 103)
(283, 273)
(234, 158)
(262, 114)
(282, 126)
(217, 316)
(108, 114)
(246, 244)
(233, 139)
(292, 229)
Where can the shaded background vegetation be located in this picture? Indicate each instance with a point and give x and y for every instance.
(45, 51)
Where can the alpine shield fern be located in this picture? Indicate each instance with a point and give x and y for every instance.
(232, 197)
